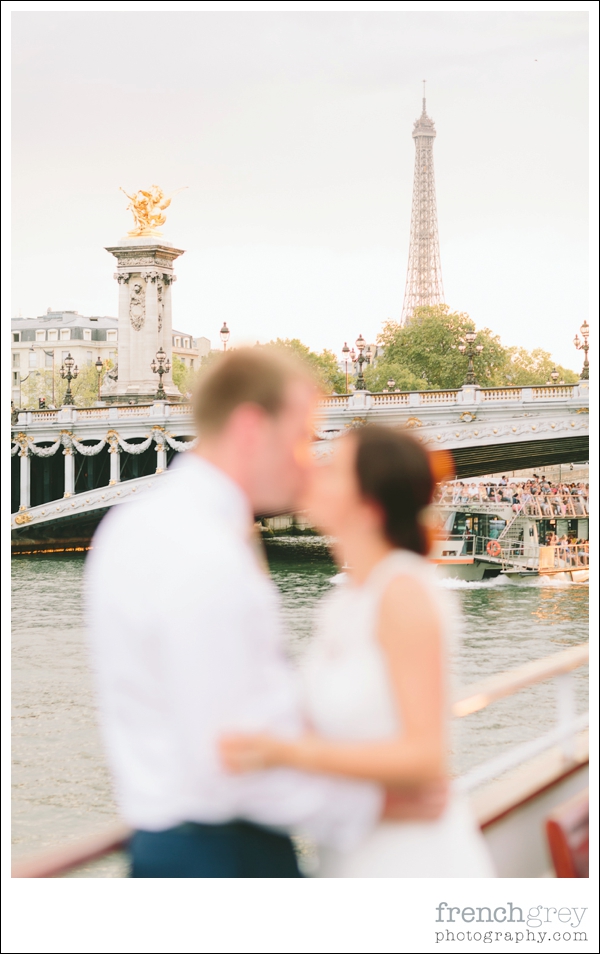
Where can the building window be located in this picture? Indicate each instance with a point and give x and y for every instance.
(87, 334)
(32, 359)
(112, 356)
(49, 359)
(15, 377)
(177, 341)
(40, 336)
(16, 359)
(53, 335)
(192, 363)
(186, 342)
(88, 357)
(111, 335)
(16, 335)
(65, 334)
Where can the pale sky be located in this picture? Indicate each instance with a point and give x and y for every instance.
(293, 133)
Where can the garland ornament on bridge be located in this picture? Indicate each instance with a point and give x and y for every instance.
(24, 445)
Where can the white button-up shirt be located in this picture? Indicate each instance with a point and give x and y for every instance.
(187, 645)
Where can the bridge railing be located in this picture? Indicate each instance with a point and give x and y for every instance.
(363, 399)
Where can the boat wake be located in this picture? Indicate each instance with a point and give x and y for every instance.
(535, 581)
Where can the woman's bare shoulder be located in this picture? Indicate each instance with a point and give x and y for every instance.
(409, 606)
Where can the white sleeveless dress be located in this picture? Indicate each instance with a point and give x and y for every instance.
(348, 697)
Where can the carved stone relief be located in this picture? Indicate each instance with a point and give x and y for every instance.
(161, 304)
(137, 306)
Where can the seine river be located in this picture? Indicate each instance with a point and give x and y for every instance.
(61, 787)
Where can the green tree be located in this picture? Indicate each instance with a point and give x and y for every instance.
(183, 376)
(428, 347)
(324, 364)
(38, 384)
(378, 375)
(534, 367)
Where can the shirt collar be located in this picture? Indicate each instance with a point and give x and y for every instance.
(225, 497)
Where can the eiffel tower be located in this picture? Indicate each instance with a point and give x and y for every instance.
(424, 275)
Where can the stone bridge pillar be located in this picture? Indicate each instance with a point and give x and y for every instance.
(25, 477)
(145, 277)
(69, 456)
(115, 464)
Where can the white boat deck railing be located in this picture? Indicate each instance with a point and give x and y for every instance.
(538, 505)
(555, 557)
(560, 667)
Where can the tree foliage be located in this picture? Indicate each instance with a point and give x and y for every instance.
(324, 364)
(377, 377)
(534, 367)
(38, 385)
(427, 347)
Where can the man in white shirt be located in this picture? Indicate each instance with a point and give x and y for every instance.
(187, 643)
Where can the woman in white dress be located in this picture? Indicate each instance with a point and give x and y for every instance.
(375, 674)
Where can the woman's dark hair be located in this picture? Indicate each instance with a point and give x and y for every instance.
(395, 471)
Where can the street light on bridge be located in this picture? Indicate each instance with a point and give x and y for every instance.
(99, 369)
(160, 365)
(470, 351)
(224, 335)
(360, 347)
(68, 372)
(584, 346)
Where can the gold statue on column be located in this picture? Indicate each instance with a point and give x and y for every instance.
(147, 208)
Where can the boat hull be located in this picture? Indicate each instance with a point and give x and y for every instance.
(469, 569)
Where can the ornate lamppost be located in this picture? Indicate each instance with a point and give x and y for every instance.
(224, 335)
(68, 372)
(160, 365)
(346, 352)
(360, 360)
(554, 376)
(99, 368)
(470, 351)
(391, 384)
(583, 346)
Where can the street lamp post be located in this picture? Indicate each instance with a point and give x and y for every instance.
(583, 346)
(160, 365)
(99, 369)
(391, 384)
(68, 373)
(346, 352)
(360, 347)
(470, 351)
(554, 376)
(224, 335)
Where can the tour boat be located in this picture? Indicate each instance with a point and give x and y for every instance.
(477, 537)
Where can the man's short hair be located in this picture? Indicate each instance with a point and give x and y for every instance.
(259, 375)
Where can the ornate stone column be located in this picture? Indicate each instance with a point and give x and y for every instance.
(69, 455)
(25, 476)
(115, 464)
(161, 455)
(145, 275)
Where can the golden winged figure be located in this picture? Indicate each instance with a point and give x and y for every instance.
(147, 208)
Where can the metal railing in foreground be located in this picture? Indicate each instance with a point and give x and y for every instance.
(560, 667)
(474, 698)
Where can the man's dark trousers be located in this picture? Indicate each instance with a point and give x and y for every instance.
(235, 849)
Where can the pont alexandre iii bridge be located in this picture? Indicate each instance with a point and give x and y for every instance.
(71, 465)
